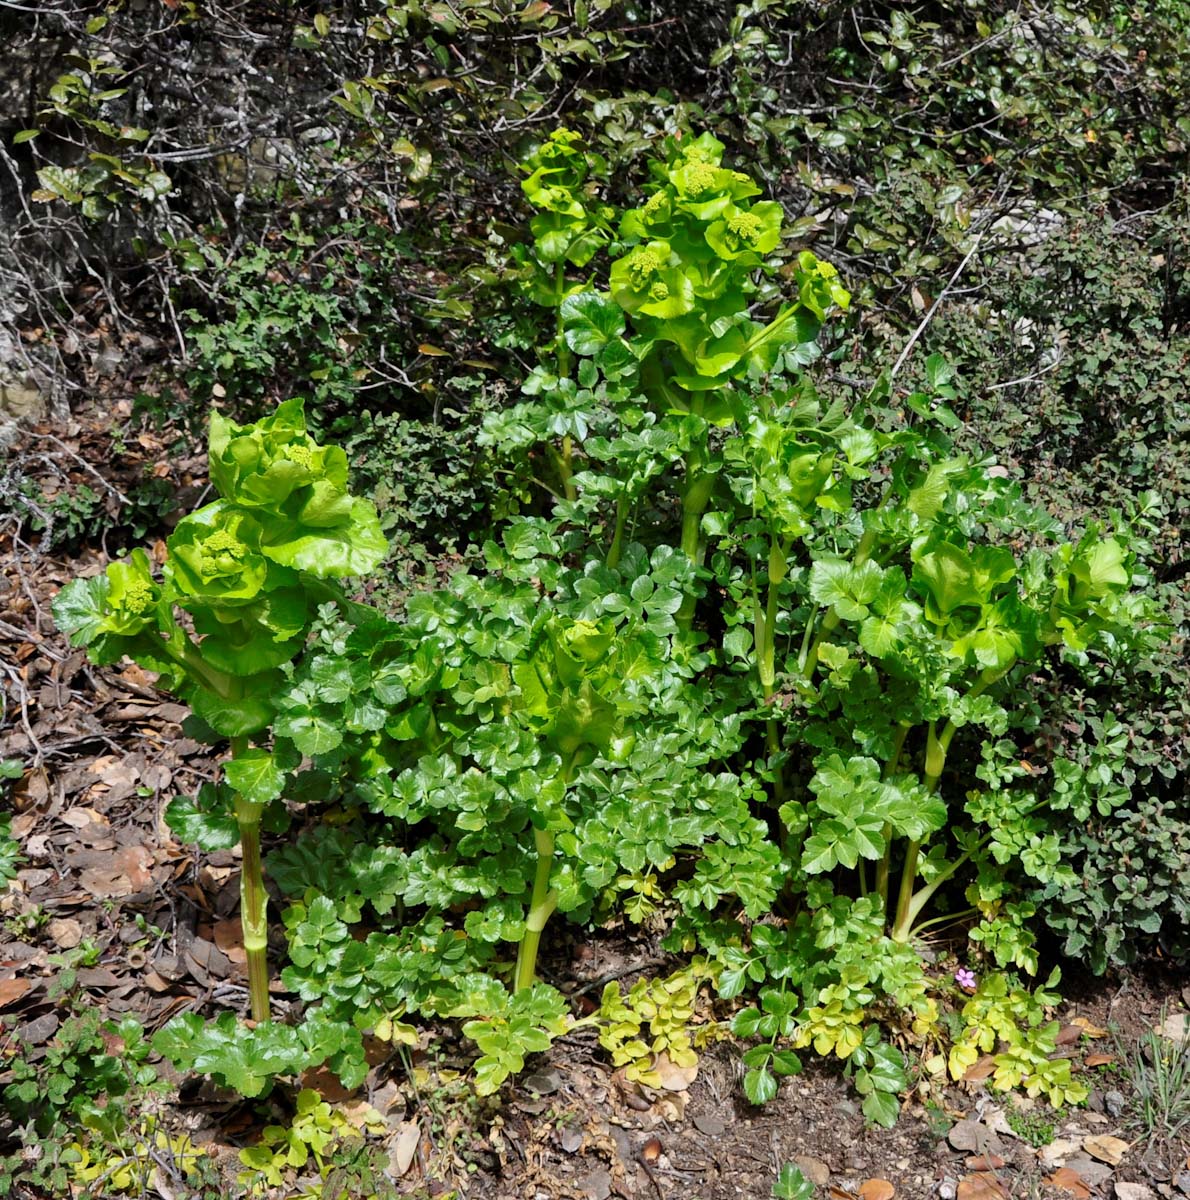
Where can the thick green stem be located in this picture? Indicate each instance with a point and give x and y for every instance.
(254, 918)
(765, 635)
(541, 906)
(254, 899)
(890, 768)
(766, 622)
(944, 919)
(910, 904)
(936, 747)
(700, 483)
(565, 457)
(617, 546)
(193, 663)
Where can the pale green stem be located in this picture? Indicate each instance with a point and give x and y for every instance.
(566, 457)
(541, 906)
(890, 767)
(253, 899)
(765, 633)
(695, 498)
(937, 746)
(617, 546)
(542, 900)
(830, 622)
(946, 918)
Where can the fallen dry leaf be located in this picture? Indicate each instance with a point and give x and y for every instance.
(984, 1162)
(136, 862)
(876, 1189)
(1099, 1060)
(982, 1068)
(229, 937)
(80, 818)
(1106, 1148)
(838, 1193)
(1069, 1034)
(981, 1186)
(1089, 1030)
(674, 1078)
(11, 990)
(66, 932)
(1070, 1181)
(651, 1150)
(404, 1150)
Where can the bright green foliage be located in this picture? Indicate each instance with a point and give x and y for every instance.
(886, 587)
(507, 1028)
(308, 1143)
(10, 854)
(86, 1088)
(126, 1165)
(791, 1184)
(79, 1069)
(1010, 1022)
(655, 1018)
(734, 662)
(250, 570)
(248, 1059)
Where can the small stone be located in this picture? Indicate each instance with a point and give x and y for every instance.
(597, 1185)
(948, 1189)
(708, 1124)
(1176, 1027)
(1114, 1103)
(1134, 1191)
(543, 1082)
(1092, 1172)
(846, 1108)
(1182, 1182)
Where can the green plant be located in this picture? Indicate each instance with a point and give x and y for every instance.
(249, 570)
(1009, 1022)
(1157, 1068)
(80, 1066)
(309, 1142)
(791, 1184)
(885, 565)
(94, 1075)
(655, 1018)
(698, 645)
(10, 851)
(1031, 1127)
(125, 1165)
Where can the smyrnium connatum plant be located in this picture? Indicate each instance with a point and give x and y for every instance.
(249, 573)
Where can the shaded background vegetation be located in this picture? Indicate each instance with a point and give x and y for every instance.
(240, 202)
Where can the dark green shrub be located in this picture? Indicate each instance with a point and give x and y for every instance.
(1130, 894)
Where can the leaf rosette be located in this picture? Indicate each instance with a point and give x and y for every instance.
(215, 559)
(650, 280)
(746, 235)
(264, 464)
